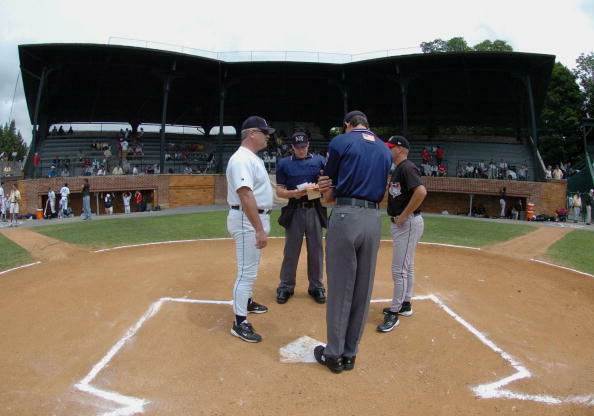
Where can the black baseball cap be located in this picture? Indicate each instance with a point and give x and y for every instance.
(255, 122)
(397, 141)
(299, 139)
(351, 114)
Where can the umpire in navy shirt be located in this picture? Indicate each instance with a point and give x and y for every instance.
(357, 173)
(301, 216)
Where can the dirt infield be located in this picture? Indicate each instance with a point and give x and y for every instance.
(122, 331)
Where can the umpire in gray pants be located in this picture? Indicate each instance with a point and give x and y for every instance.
(357, 168)
(301, 217)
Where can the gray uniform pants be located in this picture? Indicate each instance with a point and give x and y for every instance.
(405, 240)
(352, 242)
(305, 221)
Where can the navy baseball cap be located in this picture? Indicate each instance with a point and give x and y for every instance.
(299, 139)
(350, 115)
(397, 141)
(255, 122)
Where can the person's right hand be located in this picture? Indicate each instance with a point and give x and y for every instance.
(300, 193)
(261, 239)
(324, 182)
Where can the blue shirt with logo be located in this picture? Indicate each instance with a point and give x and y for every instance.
(291, 171)
(358, 164)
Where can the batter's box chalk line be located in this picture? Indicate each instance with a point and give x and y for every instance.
(132, 405)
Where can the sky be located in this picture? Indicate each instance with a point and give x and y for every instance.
(561, 28)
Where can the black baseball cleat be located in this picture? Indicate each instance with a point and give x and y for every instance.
(334, 364)
(254, 307)
(282, 296)
(245, 331)
(405, 309)
(390, 322)
(319, 294)
(348, 363)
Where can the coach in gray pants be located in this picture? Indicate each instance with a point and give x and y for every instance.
(405, 195)
(358, 165)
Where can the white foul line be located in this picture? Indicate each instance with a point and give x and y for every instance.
(494, 390)
(19, 267)
(132, 405)
(562, 267)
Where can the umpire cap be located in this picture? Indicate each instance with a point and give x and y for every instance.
(299, 139)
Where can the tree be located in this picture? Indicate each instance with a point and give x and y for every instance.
(458, 44)
(11, 141)
(584, 71)
(495, 46)
(561, 117)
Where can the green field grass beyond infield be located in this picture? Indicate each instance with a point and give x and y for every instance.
(575, 250)
(12, 255)
(123, 231)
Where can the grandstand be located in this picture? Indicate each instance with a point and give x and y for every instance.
(434, 99)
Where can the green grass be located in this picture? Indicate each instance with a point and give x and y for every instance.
(12, 255)
(574, 250)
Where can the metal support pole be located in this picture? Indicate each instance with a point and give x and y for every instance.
(404, 93)
(222, 91)
(470, 209)
(528, 84)
(166, 88)
(345, 95)
(35, 131)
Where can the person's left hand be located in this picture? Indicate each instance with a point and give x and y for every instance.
(401, 220)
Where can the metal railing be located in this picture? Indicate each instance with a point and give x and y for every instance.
(264, 56)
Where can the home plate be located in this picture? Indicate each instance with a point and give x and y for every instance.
(299, 351)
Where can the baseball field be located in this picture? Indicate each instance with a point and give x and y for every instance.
(132, 315)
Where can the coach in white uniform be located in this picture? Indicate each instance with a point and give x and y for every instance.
(64, 192)
(249, 194)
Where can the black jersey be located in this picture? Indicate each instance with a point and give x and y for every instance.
(404, 180)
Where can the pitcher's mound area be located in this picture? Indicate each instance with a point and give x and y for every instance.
(146, 329)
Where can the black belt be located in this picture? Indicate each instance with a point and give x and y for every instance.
(260, 211)
(393, 219)
(303, 205)
(356, 202)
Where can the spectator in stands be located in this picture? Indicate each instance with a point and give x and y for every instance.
(138, 151)
(135, 170)
(101, 171)
(61, 131)
(157, 168)
(502, 169)
(140, 133)
(438, 154)
(442, 170)
(122, 134)
(70, 131)
(426, 168)
(125, 145)
(126, 197)
(576, 204)
(425, 155)
(511, 175)
(118, 170)
(36, 162)
(65, 172)
(557, 173)
(150, 170)
(126, 167)
(187, 169)
(523, 173)
(52, 172)
(492, 174)
(549, 172)
(138, 201)
(107, 157)
(54, 131)
(433, 169)
(469, 170)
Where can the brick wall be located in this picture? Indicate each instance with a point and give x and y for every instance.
(168, 191)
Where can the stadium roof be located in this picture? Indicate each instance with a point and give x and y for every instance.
(109, 83)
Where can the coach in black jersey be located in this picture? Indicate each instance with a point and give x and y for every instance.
(405, 195)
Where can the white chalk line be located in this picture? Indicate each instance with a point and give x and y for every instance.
(19, 267)
(131, 405)
(494, 390)
(270, 238)
(562, 267)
